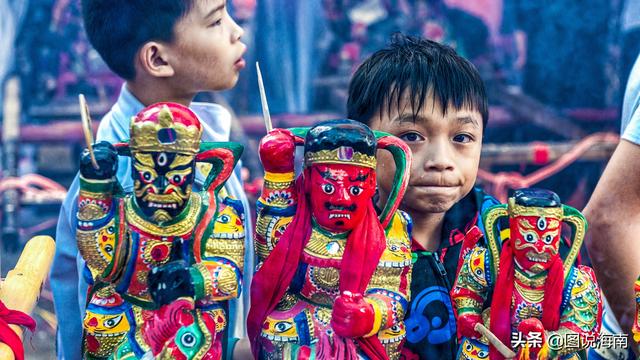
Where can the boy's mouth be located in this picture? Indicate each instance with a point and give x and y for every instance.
(434, 187)
(240, 63)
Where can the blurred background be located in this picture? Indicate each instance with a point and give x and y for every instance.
(555, 72)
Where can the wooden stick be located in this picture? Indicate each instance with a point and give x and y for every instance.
(263, 100)
(21, 288)
(87, 129)
(504, 350)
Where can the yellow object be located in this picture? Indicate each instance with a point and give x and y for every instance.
(543, 354)
(279, 177)
(20, 290)
(377, 318)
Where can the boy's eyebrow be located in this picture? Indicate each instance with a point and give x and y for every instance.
(468, 120)
(411, 118)
(216, 9)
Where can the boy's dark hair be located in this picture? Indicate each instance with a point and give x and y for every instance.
(118, 28)
(417, 66)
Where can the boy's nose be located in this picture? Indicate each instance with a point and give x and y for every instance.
(438, 159)
(438, 165)
(237, 31)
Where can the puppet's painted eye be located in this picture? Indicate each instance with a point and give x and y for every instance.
(530, 237)
(542, 223)
(146, 176)
(113, 322)
(282, 326)
(108, 249)
(188, 339)
(328, 189)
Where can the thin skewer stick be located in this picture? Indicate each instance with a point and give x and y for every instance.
(499, 345)
(87, 129)
(263, 100)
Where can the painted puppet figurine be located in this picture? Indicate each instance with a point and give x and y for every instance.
(333, 275)
(163, 259)
(534, 291)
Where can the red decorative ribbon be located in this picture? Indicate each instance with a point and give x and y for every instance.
(8, 335)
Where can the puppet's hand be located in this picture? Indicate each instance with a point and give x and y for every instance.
(107, 159)
(352, 316)
(277, 151)
(531, 325)
(467, 325)
(532, 331)
(169, 282)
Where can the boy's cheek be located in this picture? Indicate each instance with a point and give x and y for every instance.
(385, 171)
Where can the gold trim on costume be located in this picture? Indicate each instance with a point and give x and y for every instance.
(578, 238)
(531, 295)
(534, 282)
(279, 177)
(492, 216)
(144, 135)
(324, 247)
(336, 156)
(519, 210)
(463, 303)
(272, 185)
(206, 278)
(180, 228)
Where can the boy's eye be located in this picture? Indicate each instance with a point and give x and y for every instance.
(411, 137)
(216, 23)
(462, 138)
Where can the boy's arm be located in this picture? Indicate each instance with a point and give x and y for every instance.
(277, 203)
(470, 291)
(613, 213)
(97, 229)
(64, 279)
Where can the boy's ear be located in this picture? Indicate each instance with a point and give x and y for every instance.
(153, 59)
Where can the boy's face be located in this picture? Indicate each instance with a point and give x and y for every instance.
(206, 53)
(446, 154)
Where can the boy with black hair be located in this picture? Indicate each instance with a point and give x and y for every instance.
(165, 50)
(433, 99)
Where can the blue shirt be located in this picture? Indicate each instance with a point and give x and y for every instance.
(630, 124)
(70, 289)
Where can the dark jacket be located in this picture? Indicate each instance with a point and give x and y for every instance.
(430, 321)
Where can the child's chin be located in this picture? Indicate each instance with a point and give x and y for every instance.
(428, 201)
(429, 206)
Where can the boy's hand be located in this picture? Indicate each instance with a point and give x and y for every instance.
(467, 325)
(352, 316)
(107, 159)
(277, 151)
